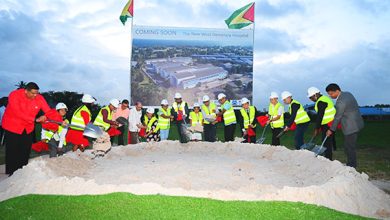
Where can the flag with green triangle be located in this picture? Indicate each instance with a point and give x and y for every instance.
(127, 12)
(242, 17)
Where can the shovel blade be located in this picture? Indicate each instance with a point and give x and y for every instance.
(307, 146)
(93, 131)
(318, 150)
(260, 140)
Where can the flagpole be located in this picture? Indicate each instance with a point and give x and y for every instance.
(131, 53)
(253, 49)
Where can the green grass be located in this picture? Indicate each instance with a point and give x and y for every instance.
(128, 206)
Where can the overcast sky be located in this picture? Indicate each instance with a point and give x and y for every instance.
(82, 46)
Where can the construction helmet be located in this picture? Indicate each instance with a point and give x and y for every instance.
(61, 105)
(196, 105)
(206, 98)
(312, 91)
(221, 95)
(286, 94)
(87, 98)
(274, 95)
(115, 103)
(164, 102)
(177, 95)
(150, 110)
(244, 100)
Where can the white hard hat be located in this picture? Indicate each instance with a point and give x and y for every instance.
(87, 98)
(150, 110)
(177, 95)
(206, 98)
(312, 91)
(274, 95)
(115, 103)
(196, 105)
(164, 102)
(286, 94)
(221, 95)
(61, 105)
(244, 100)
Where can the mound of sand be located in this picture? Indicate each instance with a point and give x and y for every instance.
(226, 171)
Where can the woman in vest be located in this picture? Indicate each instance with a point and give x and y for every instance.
(82, 116)
(152, 129)
(229, 117)
(248, 124)
(298, 116)
(164, 119)
(196, 121)
(325, 114)
(276, 117)
(209, 119)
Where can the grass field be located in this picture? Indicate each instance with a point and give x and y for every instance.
(128, 206)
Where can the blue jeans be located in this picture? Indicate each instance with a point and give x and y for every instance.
(299, 133)
(164, 133)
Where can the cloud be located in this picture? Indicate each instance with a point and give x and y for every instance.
(268, 40)
(363, 70)
(267, 10)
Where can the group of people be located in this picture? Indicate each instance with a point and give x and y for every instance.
(118, 121)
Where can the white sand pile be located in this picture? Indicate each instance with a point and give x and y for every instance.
(230, 171)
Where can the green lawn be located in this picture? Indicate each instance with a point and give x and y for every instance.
(128, 206)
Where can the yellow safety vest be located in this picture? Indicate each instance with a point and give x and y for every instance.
(164, 123)
(50, 134)
(330, 110)
(196, 118)
(176, 107)
(248, 119)
(229, 116)
(150, 124)
(99, 118)
(273, 111)
(301, 116)
(209, 110)
(77, 119)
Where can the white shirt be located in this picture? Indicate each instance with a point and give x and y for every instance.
(2, 110)
(134, 119)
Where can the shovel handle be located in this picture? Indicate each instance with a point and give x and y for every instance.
(69, 125)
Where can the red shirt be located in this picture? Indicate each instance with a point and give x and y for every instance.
(21, 112)
(55, 116)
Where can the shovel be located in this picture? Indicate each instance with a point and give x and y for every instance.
(90, 130)
(262, 138)
(122, 121)
(309, 145)
(185, 131)
(281, 134)
(320, 149)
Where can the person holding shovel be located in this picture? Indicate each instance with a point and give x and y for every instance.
(229, 117)
(196, 122)
(81, 117)
(325, 114)
(209, 119)
(18, 124)
(249, 113)
(276, 118)
(104, 119)
(180, 112)
(164, 119)
(298, 116)
(152, 129)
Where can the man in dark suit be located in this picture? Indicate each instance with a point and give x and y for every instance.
(347, 112)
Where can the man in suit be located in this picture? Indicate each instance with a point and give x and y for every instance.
(347, 112)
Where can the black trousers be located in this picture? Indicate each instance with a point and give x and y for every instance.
(350, 149)
(210, 132)
(17, 150)
(229, 132)
(180, 128)
(275, 140)
(328, 143)
(121, 140)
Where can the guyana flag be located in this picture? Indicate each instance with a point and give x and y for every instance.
(242, 17)
(127, 12)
